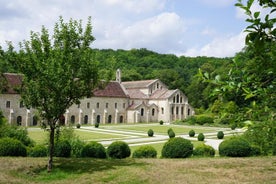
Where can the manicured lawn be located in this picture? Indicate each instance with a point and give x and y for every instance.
(255, 170)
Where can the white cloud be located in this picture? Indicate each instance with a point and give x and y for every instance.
(220, 47)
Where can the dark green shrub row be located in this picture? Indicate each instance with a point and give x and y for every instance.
(204, 150)
(145, 152)
(12, 147)
(63, 149)
(177, 147)
(38, 151)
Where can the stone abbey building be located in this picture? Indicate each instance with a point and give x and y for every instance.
(118, 102)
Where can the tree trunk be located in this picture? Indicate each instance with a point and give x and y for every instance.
(51, 148)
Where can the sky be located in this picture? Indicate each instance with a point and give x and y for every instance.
(180, 27)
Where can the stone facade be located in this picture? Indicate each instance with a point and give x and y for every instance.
(118, 102)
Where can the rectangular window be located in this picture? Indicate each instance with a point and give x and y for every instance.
(115, 105)
(106, 105)
(124, 105)
(88, 105)
(8, 104)
(98, 105)
(21, 105)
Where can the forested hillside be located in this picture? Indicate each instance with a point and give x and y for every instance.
(140, 64)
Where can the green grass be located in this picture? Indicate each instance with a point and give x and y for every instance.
(135, 171)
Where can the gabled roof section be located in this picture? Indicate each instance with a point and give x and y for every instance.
(136, 94)
(138, 84)
(163, 94)
(112, 89)
(11, 82)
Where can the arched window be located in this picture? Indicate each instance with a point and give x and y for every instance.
(109, 119)
(177, 109)
(121, 119)
(189, 112)
(72, 120)
(35, 119)
(152, 112)
(177, 98)
(162, 110)
(98, 119)
(19, 120)
(181, 99)
(86, 119)
(174, 99)
(142, 112)
(182, 110)
(172, 110)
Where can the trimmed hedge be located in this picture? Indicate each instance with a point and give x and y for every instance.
(235, 147)
(204, 119)
(150, 132)
(12, 147)
(118, 149)
(161, 122)
(145, 151)
(78, 125)
(200, 137)
(93, 149)
(38, 151)
(191, 133)
(171, 133)
(220, 135)
(177, 148)
(63, 149)
(204, 150)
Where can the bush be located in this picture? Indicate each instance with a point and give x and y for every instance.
(204, 119)
(233, 126)
(93, 149)
(145, 152)
(63, 149)
(161, 122)
(220, 135)
(97, 125)
(12, 147)
(76, 147)
(150, 132)
(274, 147)
(235, 147)
(255, 150)
(200, 137)
(38, 151)
(78, 125)
(171, 133)
(118, 149)
(204, 150)
(177, 148)
(191, 133)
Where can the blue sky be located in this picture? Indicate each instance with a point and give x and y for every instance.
(181, 27)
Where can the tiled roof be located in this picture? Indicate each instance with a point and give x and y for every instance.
(112, 89)
(136, 93)
(138, 84)
(162, 94)
(12, 82)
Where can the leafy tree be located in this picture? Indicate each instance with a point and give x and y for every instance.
(58, 71)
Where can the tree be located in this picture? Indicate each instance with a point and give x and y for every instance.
(58, 72)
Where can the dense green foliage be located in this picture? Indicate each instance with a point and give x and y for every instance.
(63, 149)
(145, 151)
(235, 147)
(12, 147)
(93, 149)
(150, 132)
(191, 133)
(204, 150)
(200, 137)
(118, 149)
(177, 147)
(38, 151)
(220, 135)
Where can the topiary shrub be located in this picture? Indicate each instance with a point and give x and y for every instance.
(235, 147)
(12, 147)
(220, 135)
(150, 132)
(191, 133)
(63, 149)
(200, 137)
(171, 133)
(38, 151)
(78, 125)
(93, 149)
(97, 125)
(177, 148)
(233, 126)
(118, 149)
(145, 151)
(204, 150)
(161, 122)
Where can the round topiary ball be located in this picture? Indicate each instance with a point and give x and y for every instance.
(93, 149)
(191, 133)
(220, 135)
(12, 147)
(150, 132)
(200, 137)
(177, 148)
(145, 151)
(118, 149)
(171, 134)
(78, 125)
(204, 150)
(235, 147)
(161, 122)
